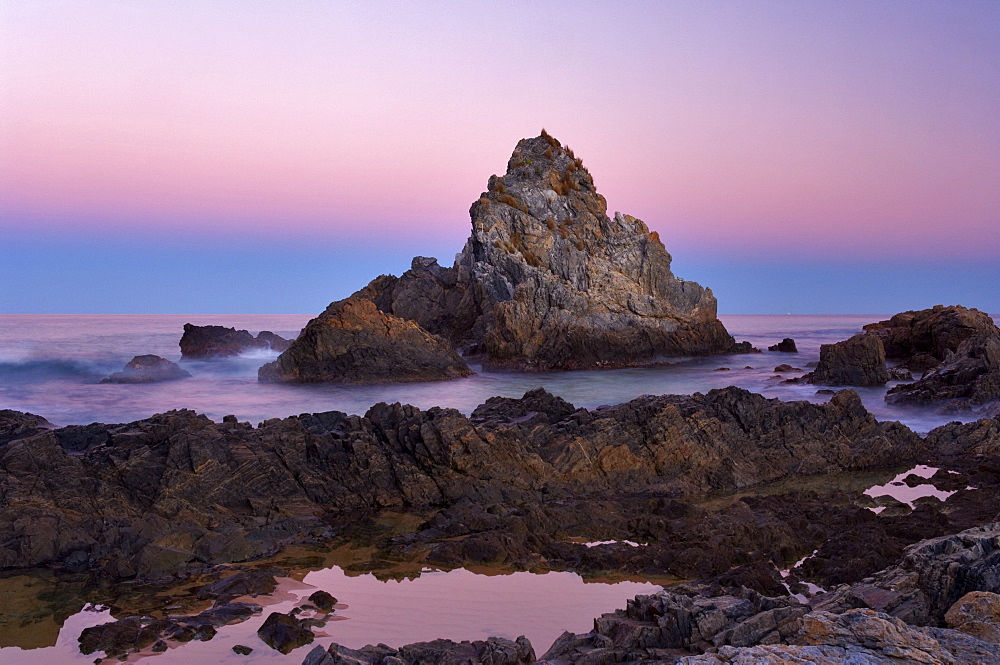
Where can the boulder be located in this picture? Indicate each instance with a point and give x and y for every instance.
(354, 342)
(492, 651)
(148, 369)
(221, 342)
(548, 281)
(18, 425)
(858, 361)
(283, 632)
(786, 345)
(976, 613)
(969, 376)
(921, 339)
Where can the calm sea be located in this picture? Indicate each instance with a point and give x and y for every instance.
(52, 365)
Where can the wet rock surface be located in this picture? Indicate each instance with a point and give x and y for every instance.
(220, 342)
(178, 491)
(148, 369)
(354, 342)
(284, 632)
(858, 361)
(786, 345)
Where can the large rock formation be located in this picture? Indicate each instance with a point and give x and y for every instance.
(148, 369)
(354, 342)
(920, 340)
(178, 490)
(221, 342)
(968, 377)
(858, 361)
(548, 281)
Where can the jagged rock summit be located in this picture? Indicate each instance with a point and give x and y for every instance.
(548, 281)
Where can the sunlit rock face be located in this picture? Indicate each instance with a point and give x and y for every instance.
(547, 280)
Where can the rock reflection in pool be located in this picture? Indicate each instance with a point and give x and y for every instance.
(457, 604)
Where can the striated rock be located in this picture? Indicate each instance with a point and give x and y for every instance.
(219, 341)
(858, 361)
(354, 342)
(548, 281)
(932, 575)
(786, 345)
(283, 632)
(177, 490)
(968, 377)
(922, 339)
(976, 613)
(148, 369)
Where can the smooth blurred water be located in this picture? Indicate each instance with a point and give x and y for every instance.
(52, 364)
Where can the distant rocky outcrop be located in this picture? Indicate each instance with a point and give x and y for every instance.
(858, 361)
(548, 281)
(786, 345)
(148, 369)
(219, 341)
(354, 342)
(922, 339)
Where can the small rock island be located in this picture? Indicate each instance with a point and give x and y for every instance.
(546, 281)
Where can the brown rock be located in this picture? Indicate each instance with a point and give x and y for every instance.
(858, 361)
(219, 341)
(354, 342)
(976, 613)
(922, 339)
(148, 369)
(968, 377)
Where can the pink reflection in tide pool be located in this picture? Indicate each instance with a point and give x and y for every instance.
(457, 605)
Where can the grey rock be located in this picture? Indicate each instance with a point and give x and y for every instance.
(858, 361)
(148, 369)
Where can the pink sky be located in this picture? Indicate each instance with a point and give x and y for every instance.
(818, 128)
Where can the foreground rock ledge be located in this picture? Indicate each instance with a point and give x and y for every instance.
(177, 490)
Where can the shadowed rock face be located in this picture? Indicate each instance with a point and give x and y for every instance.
(968, 377)
(922, 339)
(178, 490)
(548, 281)
(354, 342)
(220, 342)
(858, 361)
(148, 369)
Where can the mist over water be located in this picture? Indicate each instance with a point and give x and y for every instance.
(51, 365)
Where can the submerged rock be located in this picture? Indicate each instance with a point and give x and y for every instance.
(283, 632)
(548, 281)
(148, 369)
(219, 341)
(858, 361)
(354, 342)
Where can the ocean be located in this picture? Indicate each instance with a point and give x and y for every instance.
(51, 365)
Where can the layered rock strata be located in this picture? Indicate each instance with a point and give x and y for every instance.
(178, 490)
(922, 339)
(858, 361)
(548, 281)
(221, 342)
(353, 342)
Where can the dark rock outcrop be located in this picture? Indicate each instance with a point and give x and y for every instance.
(219, 341)
(354, 342)
(786, 345)
(858, 361)
(922, 339)
(283, 632)
(548, 281)
(493, 651)
(17, 425)
(178, 490)
(968, 377)
(148, 369)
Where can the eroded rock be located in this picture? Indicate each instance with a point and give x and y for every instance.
(148, 369)
(858, 361)
(220, 342)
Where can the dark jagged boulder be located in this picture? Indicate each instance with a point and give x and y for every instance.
(354, 342)
(492, 651)
(220, 342)
(858, 361)
(968, 377)
(148, 369)
(548, 281)
(786, 345)
(922, 339)
(283, 632)
(17, 425)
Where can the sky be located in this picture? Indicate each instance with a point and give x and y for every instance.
(261, 157)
